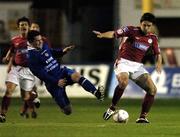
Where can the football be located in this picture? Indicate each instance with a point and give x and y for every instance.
(121, 116)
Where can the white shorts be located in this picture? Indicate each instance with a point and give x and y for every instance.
(123, 65)
(21, 76)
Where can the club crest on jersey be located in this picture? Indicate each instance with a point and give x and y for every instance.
(141, 46)
(119, 31)
(150, 41)
(46, 54)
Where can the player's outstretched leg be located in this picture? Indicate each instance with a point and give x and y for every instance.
(99, 93)
(88, 86)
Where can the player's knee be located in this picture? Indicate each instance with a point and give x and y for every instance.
(123, 84)
(9, 92)
(75, 76)
(153, 91)
(123, 81)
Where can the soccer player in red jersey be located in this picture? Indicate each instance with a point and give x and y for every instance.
(19, 73)
(128, 65)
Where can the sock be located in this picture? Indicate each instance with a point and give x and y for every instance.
(146, 105)
(117, 95)
(30, 104)
(5, 104)
(87, 85)
(24, 107)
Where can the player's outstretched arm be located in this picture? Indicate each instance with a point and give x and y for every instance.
(159, 63)
(6, 59)
(108, 34)
(68, 48)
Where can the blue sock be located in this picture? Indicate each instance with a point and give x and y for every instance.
(87, 85)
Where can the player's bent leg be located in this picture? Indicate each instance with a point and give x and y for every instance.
(147, 84)
(61, 98)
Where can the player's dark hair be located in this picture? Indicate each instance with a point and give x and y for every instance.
(32, 34)
(148, 17)
(23, 19)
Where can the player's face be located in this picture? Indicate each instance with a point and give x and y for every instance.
(34, 26)
(38, 42)
(23, 27)
(146, 26)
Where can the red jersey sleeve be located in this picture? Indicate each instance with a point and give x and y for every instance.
(125, 31)
(156, 48)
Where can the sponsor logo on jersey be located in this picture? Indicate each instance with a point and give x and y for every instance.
(141, 46)
(22, 51)
(46, 54)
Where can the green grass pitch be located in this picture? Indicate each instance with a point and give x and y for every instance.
(86, 120)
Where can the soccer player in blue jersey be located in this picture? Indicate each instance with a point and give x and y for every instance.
(43, 64)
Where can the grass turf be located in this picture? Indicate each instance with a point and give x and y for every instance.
(86, 120)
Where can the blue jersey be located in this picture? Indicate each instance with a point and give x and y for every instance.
(43, 64)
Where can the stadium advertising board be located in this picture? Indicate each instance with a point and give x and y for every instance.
(97, 74)
(168, 84)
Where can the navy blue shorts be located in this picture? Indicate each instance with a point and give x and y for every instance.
(58, 93)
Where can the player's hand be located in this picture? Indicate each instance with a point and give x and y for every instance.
(69, 48)
(5, 60)
(158, 68)
(98, 34)
(62, 82)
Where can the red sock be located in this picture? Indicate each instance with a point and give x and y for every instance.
(5, 104)
(117, 95)
(146, 105)
(24, 107)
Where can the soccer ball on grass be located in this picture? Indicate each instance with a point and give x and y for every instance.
(121, 116)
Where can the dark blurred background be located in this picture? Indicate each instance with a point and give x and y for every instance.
(72, 21)
(66, 22)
